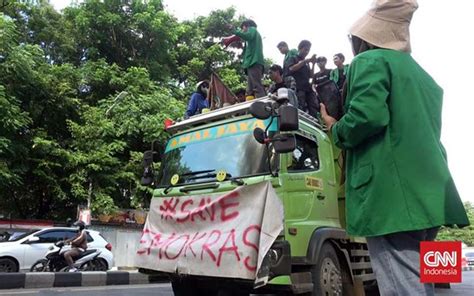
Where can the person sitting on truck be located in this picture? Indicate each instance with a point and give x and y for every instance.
(275, 73)
(399, 190)
(198, 100)
(326, 89)
(78, 245)
(253, 62)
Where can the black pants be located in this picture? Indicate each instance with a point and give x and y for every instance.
(308, 102)
(254, 81)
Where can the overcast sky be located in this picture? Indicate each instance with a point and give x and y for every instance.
(442, 43)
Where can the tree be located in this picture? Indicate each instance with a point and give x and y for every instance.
(466, 234)
(64, 137)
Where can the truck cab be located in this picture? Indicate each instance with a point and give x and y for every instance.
(243, 145)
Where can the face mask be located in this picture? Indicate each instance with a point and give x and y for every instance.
(205, 90)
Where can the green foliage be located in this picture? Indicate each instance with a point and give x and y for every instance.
(66, 135)
(466, 234)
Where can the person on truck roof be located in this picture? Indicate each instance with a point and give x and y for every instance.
(326, 89)
(285, 50)
(399, 190)
(276, 76)
(253, 62)
(198, 100)
(299, 67)
(338, 75)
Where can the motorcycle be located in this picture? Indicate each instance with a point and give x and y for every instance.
(54, 260)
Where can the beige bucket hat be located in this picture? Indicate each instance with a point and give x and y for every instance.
(386, 24)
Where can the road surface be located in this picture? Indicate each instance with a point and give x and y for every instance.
(463, 289)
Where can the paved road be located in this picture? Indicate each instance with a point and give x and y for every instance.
(463, 289)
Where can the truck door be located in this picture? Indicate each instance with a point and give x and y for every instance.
(310, 197)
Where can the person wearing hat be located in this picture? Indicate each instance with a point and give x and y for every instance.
(253, 62)
(198, 100)
(399, 190)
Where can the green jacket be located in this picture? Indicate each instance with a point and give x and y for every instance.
(291, 53)
(253, 50)
(396, 167)
(334, 74)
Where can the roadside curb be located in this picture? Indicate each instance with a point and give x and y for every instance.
(31, 280)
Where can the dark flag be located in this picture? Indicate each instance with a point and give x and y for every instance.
(219, 93)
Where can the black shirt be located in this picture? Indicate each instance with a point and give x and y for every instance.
(321, 78)
(302, 75)
(342, 78)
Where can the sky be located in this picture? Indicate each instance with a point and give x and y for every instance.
(441, 38)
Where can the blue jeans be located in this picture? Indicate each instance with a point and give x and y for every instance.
(395, 260)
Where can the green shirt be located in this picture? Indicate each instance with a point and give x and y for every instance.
(291, 53)
(253, 50)
(397, 173)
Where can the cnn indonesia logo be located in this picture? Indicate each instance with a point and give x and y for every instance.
(440, 262)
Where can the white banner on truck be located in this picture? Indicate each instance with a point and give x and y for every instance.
(224, 235)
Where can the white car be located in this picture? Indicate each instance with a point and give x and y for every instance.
(23, 251)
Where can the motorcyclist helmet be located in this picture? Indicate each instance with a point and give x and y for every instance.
(81, 225)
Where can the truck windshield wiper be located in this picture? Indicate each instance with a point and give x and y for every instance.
(211, 174)
(197, 172)
(205, 174)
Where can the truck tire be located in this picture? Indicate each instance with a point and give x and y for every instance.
(327, 275)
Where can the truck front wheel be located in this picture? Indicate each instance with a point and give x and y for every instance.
(327, 279)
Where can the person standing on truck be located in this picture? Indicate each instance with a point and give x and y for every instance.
(300, 69)
(399, 190)
(285, 50)
(198, 100)
(326, 89)
(253, 62)
(338, 75)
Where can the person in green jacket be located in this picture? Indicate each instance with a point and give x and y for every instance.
(338, 75)
(288, 53)
(253, 62)
(399, 190)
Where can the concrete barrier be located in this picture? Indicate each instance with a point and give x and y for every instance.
(32, 280)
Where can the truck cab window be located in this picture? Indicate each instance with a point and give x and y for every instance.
(305, 156)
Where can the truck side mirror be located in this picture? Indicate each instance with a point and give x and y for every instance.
(288, 119)
(157, 149)
(148, 175)
(150, 157)
(261, 110)
(259, 135)
(284, 143)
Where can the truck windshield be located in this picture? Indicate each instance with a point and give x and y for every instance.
(196, 156)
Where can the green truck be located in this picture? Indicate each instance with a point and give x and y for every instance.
(265, 140)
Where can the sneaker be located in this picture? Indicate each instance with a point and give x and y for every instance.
(73, 269)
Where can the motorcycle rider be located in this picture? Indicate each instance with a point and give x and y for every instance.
(78, 245)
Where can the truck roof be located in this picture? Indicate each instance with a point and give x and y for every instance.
(239, 109)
